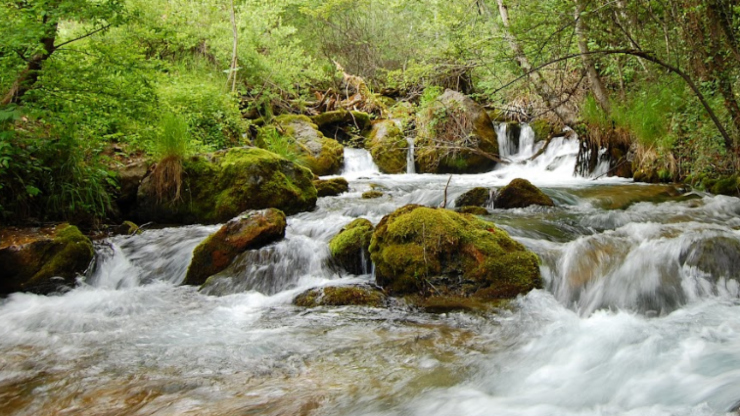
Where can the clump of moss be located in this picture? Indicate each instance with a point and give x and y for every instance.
(520, 193)
(331, 187)
(220, 186)
(476, 197)
(372, 194)
(427, 251)
(341, 296)
(543, 129)
(349, 248)
(324, 156)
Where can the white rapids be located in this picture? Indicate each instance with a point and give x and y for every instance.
(640, 315)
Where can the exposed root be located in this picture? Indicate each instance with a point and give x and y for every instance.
(167, 179)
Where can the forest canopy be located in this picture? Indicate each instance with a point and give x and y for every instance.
(86, 85)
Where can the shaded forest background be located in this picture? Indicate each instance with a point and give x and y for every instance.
(88, 85)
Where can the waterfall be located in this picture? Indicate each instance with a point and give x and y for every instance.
(505, 146)
(526, 142)
(358, 162)
(410, 168)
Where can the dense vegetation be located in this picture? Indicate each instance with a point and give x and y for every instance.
(88, 84)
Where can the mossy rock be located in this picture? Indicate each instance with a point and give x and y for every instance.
(220, 186)
(452, 119)
(438, 252)
(249, 231)
(729, 185)
(446, 304)
(324, 156)
(543, 129)
(647, 175)
(472, 210)
(520, 193)
(357, 118)
(715, 256)
(125, 228)
(331, 187)
(372, 195)
(341, 296)
(388, 146)
(129, 178)
(43, 260)
(476, 197)
(349, 248)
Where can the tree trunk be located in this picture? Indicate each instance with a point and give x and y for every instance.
(30, 75)
(597, 87)
(541, 87)
(234, 59)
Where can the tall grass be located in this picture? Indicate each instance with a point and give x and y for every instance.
(171, 146)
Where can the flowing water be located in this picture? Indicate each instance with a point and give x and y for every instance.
(640, 315)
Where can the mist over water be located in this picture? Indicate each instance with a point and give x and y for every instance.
(640, 315)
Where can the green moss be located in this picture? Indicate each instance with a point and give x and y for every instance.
(388, 146)
(324, 156)
(221, 186)
(542, 129)
(349, 248)
(436, 251)
(477, 197)
(473, 210)
(372, 194)
(331, 187)
(341, 296)
(729, 185)
(520, 193)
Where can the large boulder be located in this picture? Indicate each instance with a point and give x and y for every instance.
(456, 135)
(341, 296)
(42, 260)
(388, 146)
(349, 248)
(129, 178)
(520, 193)
(344, 126)
(324, 156)
(251, 230)
(428, 251)
(220, 186)
(331, 187)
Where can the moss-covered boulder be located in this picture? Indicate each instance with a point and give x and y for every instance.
(543, 129)
(520, 193)
(42, 260)
(331, 187)
(388, 146)
(324, 156)
(349, 248)
(476, 197)
(220, 186)
(372, 194)
(455, 135)
(341, 296)
(472, 210)
(251, 230)
(346, 127)
(428, 251)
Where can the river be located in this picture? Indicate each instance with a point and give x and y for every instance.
(639, 315)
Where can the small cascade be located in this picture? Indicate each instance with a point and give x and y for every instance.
(603, 166)
(410, 168)
(358, 162)
(526, 143)
(506, 147)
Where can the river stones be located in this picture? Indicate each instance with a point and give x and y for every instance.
(324, 156)
(349, 248)
(42, 260)
(251, 230)
(219, 186)
(455, 134)
(476, 197)
(520, 193)
(716, 257)
(388, 146)
(341, 296)
(428, 251)
(331, 187)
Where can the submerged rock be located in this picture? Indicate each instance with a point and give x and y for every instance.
(372, 194)
(341, 296)
(349, 248)
(331, 187)
(476, 197)
(455, 121)
(388, 146)
(251, 230)
(716, 257)
(42, 260)
(520, 193)
(324, 156)
(428, 251)
(220, 186)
